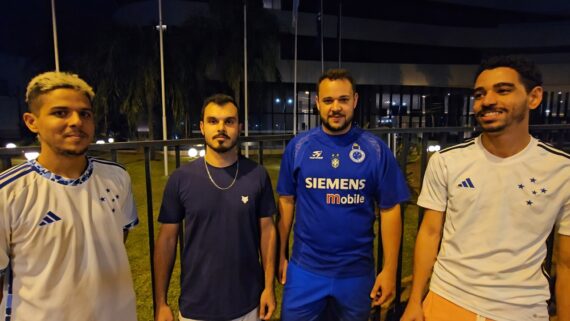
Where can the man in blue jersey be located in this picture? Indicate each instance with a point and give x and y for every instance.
(333, 177)
(64, 216)
(226, 204)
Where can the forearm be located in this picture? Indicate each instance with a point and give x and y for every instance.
(286, 214)
(563, 279)
(391, 227)
(268, 248)
(425, 254)
(563, 292)
(164, 257)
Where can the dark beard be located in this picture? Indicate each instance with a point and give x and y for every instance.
(328, 126)
(221, 149)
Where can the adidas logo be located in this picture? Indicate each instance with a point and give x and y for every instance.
(466, 183)
(50, 217)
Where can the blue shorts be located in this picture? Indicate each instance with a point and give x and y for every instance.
(311, 297)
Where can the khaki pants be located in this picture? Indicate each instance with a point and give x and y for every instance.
(436, 308)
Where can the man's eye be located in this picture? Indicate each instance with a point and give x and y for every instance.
(230, 121)
(212, 121)
(343, 100)
(86, 114)
(477, 96)
(504, 90)
(328, 101)
(59, 113)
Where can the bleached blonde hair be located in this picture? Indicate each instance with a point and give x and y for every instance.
(51, 80)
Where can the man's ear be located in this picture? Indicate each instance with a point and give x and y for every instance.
(535, 97)
(355, 100)
(317, 102)
(202, 127)
(31, 122)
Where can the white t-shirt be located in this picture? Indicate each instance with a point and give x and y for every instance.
(498, 215)
(61, 244)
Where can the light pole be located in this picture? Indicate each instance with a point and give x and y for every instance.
(161, 28)
(54, 29)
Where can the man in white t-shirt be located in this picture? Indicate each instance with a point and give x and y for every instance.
(493, 201)
(64, 216)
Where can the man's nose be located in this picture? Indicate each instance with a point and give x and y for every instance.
(489, 99)
(75, 119)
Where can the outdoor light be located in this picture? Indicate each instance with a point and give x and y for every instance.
(433, 148)
(277, 100)
(111, 140)
(289, 101)
(306, 92)
(11, 145)
(192, 152)
(100, 141)
(202, 153)
(31, 155)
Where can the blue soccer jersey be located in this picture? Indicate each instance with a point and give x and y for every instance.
(336, 181)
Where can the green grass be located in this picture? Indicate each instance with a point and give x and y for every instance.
(138, 243)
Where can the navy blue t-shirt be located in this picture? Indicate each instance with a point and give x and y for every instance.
(221, 277)
(336, 181)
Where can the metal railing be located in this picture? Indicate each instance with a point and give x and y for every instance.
(403, 142)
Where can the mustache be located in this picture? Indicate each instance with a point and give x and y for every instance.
(222, 135)
(336, 113)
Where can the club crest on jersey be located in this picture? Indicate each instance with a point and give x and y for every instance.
(244, 199)
(317, 154)
(335, 161)
(357, 155)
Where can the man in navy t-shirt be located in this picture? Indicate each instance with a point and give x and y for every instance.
(226, 204)
(333, 177)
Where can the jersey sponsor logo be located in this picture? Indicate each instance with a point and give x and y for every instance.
(335, 161)
(334, 183)
(49, 218)
(466, 183)
(244, 199)
(317, 154)
(356, 154)
(337, 199)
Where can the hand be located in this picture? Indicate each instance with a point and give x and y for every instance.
(384, 288)
(282, 274)
(413, 312)
(266, 304)
(164, 313)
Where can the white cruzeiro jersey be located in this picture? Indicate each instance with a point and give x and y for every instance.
(61, 244)
(498, 215)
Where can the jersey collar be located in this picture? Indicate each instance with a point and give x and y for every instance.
(44, 172)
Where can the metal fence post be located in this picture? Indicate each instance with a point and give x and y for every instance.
(150, 220)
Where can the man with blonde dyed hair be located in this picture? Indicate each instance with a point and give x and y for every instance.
(64, 216)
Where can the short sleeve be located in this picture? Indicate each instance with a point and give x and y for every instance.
(392, 187)
(4, 235)
(266, 206)
(171, 209)
(287, 183)
(564, 220)
(129, 208)
(434, 188)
